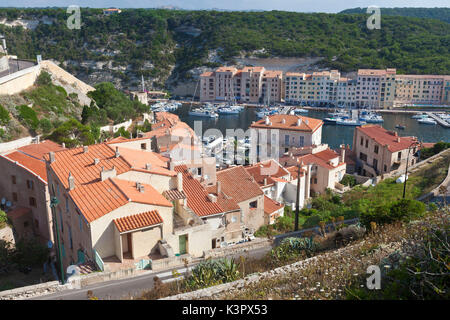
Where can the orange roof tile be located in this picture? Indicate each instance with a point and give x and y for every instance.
(225, 202)
(290, 123)
(32, 164)
(138, 221)
(270, 206)
(207, 74)
(238, 184)
(148, 196)
(138, 159)
(197, 197)
(384, 137)
(82, 166)
(266, 170)
(96, 199)
(321, 158)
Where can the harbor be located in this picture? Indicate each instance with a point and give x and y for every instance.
(332, 134)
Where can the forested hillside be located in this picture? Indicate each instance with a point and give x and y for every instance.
(442, 14)
(169, 44)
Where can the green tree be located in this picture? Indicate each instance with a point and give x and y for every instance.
(4, 116)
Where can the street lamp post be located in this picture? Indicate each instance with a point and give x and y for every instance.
(53, 203)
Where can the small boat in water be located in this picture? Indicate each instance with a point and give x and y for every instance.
(228, 110)
(331, 120)
(371, 118)
(300, 110)
(262, 113)
(427, 121)
(420, 116)
(200, 112)
(399, 126)
(350, 122)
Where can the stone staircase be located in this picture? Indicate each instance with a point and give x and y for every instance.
(87, 267)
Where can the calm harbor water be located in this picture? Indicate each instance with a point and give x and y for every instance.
(331, 134)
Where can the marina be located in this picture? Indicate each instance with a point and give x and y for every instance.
(332, 134)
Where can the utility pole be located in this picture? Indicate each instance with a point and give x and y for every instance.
(406, 170)
(297, 202)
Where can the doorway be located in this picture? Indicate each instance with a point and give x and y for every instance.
(183, 243)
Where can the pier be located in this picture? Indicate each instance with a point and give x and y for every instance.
(443, 123)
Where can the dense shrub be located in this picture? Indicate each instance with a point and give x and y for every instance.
(29, 253)
(294, 247)
(438, 147)
(402, 210)
(45, 125)
(348, 180)
(4, 116)
(3, 219)
(44, 79)
(28, 115)
(212, 272)
(73, 134)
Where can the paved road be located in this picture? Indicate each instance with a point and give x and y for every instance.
(122, 289)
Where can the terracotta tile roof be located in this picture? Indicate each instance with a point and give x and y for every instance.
(294, 172)
(225, 202)
(238, 184)
(207, 74)
(197, 197)
(174, 194)
(290, 123)
(121, 139)
(253, 69)
(270, 206)
(96, 199)
(272, 73)
(82, 166)
(266, 170)
(226, 69)
(148, 196)
(166, 115)
(32, 164)
(138, 159)
(38, 150)
(384, 137)
(321, 158)
(138, 221)
(371, 72)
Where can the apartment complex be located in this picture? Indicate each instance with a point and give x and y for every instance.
(371, 88)
(249, 84)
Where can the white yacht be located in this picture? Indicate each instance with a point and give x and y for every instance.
(420, 116)
(350, 122)
(228, 110)
(371, 117)
(427, 121)
(201, 112)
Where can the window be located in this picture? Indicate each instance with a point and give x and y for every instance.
(375, 164)
(199, 171)
(253, 204)
(67, 204)
(79, 221)
(301, 141)
(315, 180)
(14, 195)
(367, 143)
(286, 140)
(143, 146)
(30, 184)
(363, 156)
(362, 140)
(399, 155)
(70, 238)
(32, 201)
(375, 149)
(385, 168)
(233, 219)
(13, 178)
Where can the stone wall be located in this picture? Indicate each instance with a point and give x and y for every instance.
(34, 290)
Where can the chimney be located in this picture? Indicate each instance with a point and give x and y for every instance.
(85, 149)
(117, 152)
(299, 122)
(37, 139)
(267, 120)
(265, 181)
(306, 121)
(212, 197)
(398, 139)
(283, 121)
(96, 161)
(180, 181)
(171, 166)
(63, 145)
(71, 181)
(342, 155)
(148, 166)
(219, 187)
(52, 156)
(106, 174)
(140, 187)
